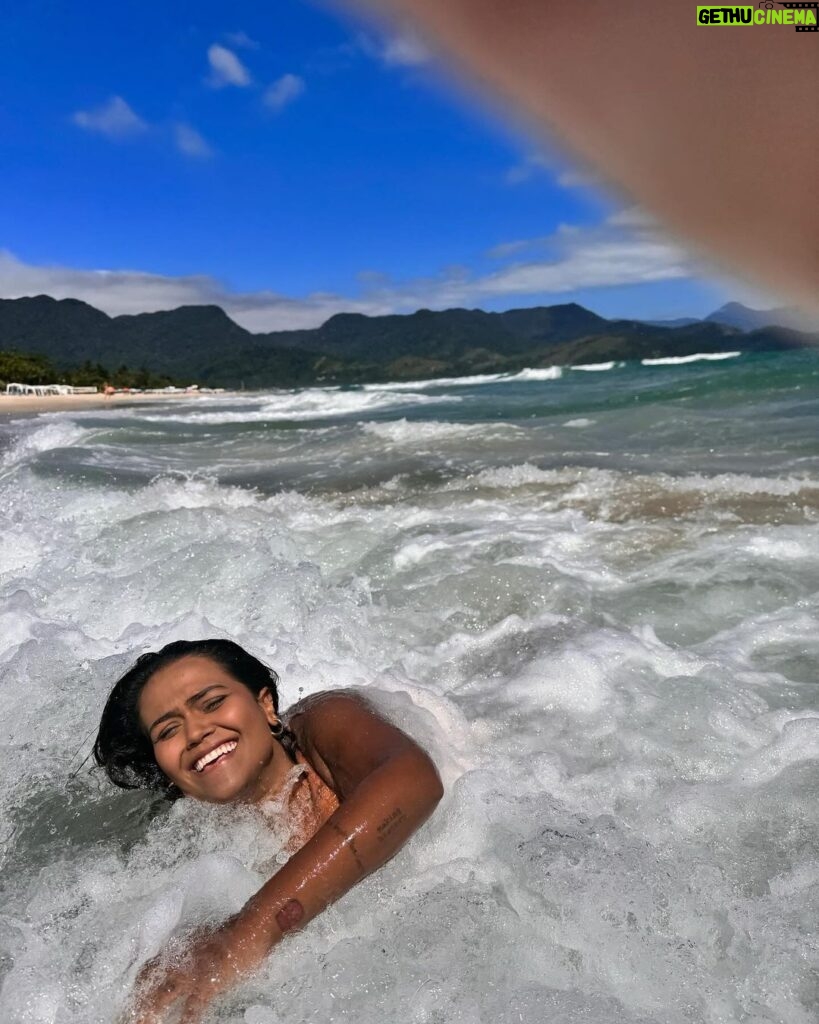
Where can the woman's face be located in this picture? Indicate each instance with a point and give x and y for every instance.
(211, 735)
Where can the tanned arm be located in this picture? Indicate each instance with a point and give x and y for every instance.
(388, 787)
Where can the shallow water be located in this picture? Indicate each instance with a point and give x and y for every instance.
(592, 595)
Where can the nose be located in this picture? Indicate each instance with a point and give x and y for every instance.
(196, 729)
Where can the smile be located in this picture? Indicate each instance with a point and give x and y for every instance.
(217, 754)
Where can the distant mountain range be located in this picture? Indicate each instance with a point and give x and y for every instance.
(734, 314)
(202, 344)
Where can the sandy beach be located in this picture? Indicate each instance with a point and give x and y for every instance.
(22, 404)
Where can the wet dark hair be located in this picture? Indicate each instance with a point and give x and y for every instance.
(123, 748)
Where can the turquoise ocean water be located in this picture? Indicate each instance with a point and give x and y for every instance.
(592, 594)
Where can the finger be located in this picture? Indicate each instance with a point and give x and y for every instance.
(139, 1015)
(147, 1018)
(139, 1009)
(193, 1010)
(153, 999)
(148, 973)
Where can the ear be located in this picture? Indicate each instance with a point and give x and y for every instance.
(265, 702)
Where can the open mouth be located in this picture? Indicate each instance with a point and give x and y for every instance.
(215, 757)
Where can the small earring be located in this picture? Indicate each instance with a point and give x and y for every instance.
(277, 729)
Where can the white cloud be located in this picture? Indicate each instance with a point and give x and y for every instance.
(114, 119)
(576, 178)
(283, 91)
(632, 217)
(132, 291)
(404, 50)
(190, 142)
(242, 41)
(505, 249)
(226, 68)
(591, 263)
(531, 165)
(553, 164)
(570, 259)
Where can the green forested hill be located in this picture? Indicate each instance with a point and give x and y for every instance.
(202, 344)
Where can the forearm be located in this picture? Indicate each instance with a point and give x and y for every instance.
(369, 827)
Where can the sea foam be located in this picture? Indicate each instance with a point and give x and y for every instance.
(613, 667)
(697, 357)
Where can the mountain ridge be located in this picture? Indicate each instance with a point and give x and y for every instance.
(205, 344)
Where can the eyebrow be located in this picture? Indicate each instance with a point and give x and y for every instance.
(189, 702)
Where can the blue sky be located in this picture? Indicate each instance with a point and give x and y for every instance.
(288, 161)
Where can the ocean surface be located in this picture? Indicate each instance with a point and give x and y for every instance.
(592, 594)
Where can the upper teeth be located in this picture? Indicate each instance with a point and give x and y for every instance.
(206, 760)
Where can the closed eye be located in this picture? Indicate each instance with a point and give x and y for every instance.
(166, 733)
(212, 705)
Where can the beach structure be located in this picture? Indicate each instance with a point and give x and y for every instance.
(41, 390)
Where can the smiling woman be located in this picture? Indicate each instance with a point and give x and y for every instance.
(200, 719)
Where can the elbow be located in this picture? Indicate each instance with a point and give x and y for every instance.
(411, 780)
(430, 784)
(437, 792)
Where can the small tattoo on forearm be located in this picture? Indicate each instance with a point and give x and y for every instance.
(290, 915)
(349, 842)
(393, 821)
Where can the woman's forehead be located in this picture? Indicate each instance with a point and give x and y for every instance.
(182, 678)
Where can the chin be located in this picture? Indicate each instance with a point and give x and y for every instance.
(227, 792)
(228, 795)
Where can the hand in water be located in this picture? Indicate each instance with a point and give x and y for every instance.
(210, 962)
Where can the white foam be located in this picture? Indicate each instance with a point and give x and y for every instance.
(437, 382)
(621, 701)
(596, 367)
(512, 476)
(19, 550)
(796, 743)
(738, 483)
(679, 360)
(782, 549)
(541, 373)
(580, 422)
(412, 433)
(310, 404)
(53, 434)
(575, 681)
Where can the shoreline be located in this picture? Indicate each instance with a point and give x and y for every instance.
(22, 404)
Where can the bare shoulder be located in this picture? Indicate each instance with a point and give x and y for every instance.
(335, 722)
(329, 703)
(345, 738)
